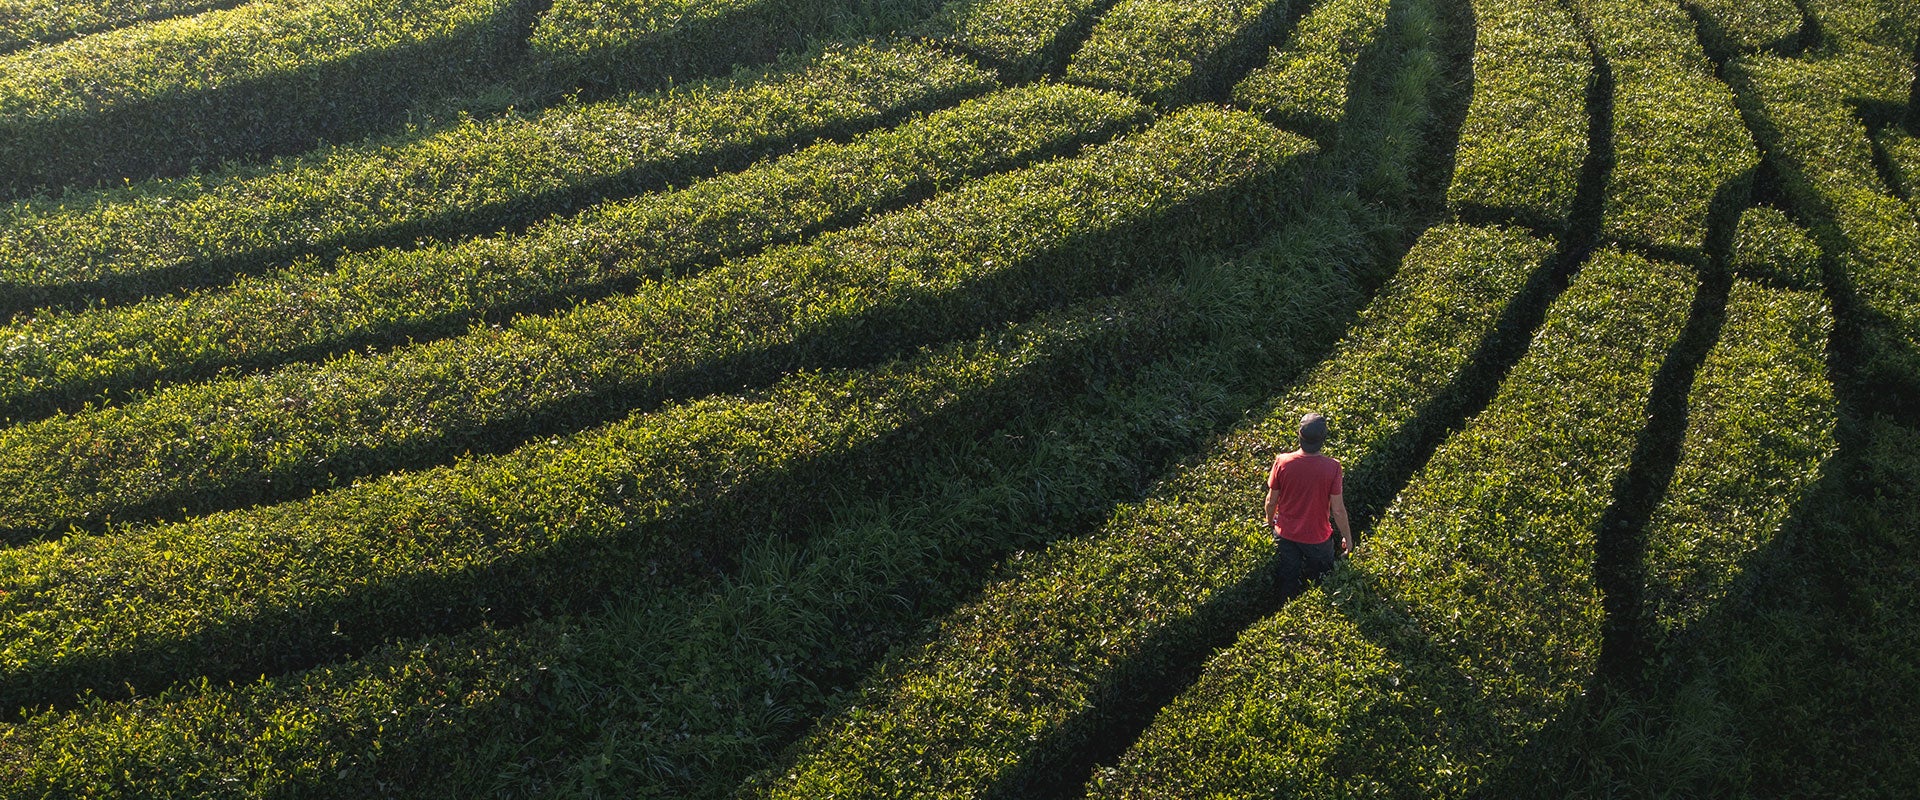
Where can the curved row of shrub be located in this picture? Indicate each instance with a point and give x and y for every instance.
(1303, 85)
(58, 359)
(1824, 155)
(1470, 618)
(623, 43)
(469, 178)
(26, 23)
(1749, 25)
(1021, 38)
(680, 693)
(343, 727)
(1903, 155)
(1092, 619)
(1681, 152)
(1525, 135)
(1760, 427)
(1179, 52)
(1881, 23)
(964, 259)
(264, 78)
(638, 506)
(1773, 249)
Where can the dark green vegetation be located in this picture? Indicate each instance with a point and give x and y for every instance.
(870, 398)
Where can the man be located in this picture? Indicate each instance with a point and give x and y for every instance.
(1303, 490)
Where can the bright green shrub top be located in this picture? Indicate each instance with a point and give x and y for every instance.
(1304, 84)
(1903, 154)
(1760, 425)
(261, 79)
(550, 525)
(217, 49)
(649, 42)
(27, 22)
(1887, 23)
(386, 293)
(1751, 24)
(1021, 38)
(1678, 140)
(200, 228)
(1469, 618)
(1038, 647)
(898, 279)
(1825, 157)
(1175, 52)
(1524, 140)
(544, 496)
(1769, 247)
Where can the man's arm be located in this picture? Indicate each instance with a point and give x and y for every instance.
(1273, 503)
(1338, 505)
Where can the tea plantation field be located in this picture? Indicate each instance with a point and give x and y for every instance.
(873, 398)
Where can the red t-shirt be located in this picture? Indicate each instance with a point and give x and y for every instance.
(1305, 482)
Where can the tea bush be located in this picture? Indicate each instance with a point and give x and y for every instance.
(1044, 646)
(1180, 52)
(1681, 153)
(621, 44)
(1749, 25)
(549, 527)
(1825, 158)
(1525, 136)
(1021, 38)
(1760, 426)
(26, 23)
(261, 79)
(385, 294)
(1769, 247)
(1007, 244)
(1470, 618)
(468, 178)
(1304, 85)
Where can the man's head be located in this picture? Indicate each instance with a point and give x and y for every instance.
(1313, 432)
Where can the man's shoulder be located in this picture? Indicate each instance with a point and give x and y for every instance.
(1320, 460)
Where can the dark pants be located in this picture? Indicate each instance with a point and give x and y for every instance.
(1300, 563)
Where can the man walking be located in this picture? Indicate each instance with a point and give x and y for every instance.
(1303, 490)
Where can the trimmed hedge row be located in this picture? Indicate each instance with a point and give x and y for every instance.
(621, 44)
(964, 259)
(1903, 155)
(1470, 618)
(1175, 52)
(1524, 140)
(1769, 247)
(25, 23)
(150, 238)
(1825, 159)
(1303, 85)
(677, 693)
(1886, 23)
(265, 78)
(383, 295)
(640, 504)
(1681, 153)
(1043, 647)
(1020, 38)
(1748, 25)
(1760, 425)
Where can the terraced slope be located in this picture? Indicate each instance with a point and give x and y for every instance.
(869, 398)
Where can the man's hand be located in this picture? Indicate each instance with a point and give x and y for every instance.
(1346, 543)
